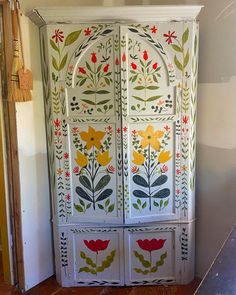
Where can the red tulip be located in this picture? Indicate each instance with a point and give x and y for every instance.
(105, 69)
(185, 120)
(145, 55)
(94, 57)
(57, 123)
(123, 57)
(117, 61)
(82, 70)
(97, 245)
(151, 245)
(154, 66)
(134, 66)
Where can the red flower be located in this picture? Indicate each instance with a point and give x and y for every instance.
(94, 57)
(134, 169)
(123, 57)
(58, 36)
(177, 191)
(111, 169)
(155, 65)
(178, 171)
(67, 174)
(57, 123)
(145, 55)
(118, 130)
(109, 128)
(177, 155)
(151, 245)
(169, 36)
(87, 32)
(167, 128)
(105, 69)
(76, 170)
(68, 197)
(134, 66)
(125, 129)
(134, 132)
(97, 245)
(82, 70)
(66, 155)
(154, 29)
(117, 61)
(185, 120)
(75, 130)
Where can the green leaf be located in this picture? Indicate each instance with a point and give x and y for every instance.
(102, 92)
(102, 182)
(142, 63)
(88, 206)
(88, 66)
(134, 78)
(82, 194)
(166, 203)
(85, 182)
(138, 98)
(155, 204)
(164, 193)
(78, 208)
(144, 205)
(103, 102)
(139, 270)
(177, 48)
(155, 78)
(139, 180)
(140, 194)
(160, 180)
(178, 64)
(152, 87)
(139, 202)
(82, 81)
(100, 206)
(139, 88)
(72, 37)
(82, 255)
(152, 98)
(54, 63)
(81, 202)
(54, 46)
(87, 269)
(135, 206)
(186, 59)
(140, 257)
(107, 80)
(185, 36)
(89, 92)
(63, 62)
(107, 262)
(88, 101)
(105, 194)
(111, 208)
(107, 202)
(90, 262)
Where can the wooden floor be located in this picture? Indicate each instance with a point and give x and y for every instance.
(50, 287)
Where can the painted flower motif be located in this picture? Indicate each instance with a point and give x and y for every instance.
(145, 55)
(155, 65)
(59, 171)
(125, 129)
(134, 132)
(123, 57)
(109, 128)
(58, 36)
(178, 155)
(154, 29)
(117, 61)
(111, 169)
(67, 174)
(92, 138)
(164, 169)
(167, 128)
(71, 68)
(94, 57)
(164, 156)
(81, 159)
(66, 156)
(169, 37)
(177, 191)
(133, 66)
(138, 158)
(57, 123)
(82, 70)
(68, 197)
(184, 168)
(87, 32)
(151, 245)
(178, 171)
(134, 169)
(105, 69)
(170, 66)
(76, 170)
(97, 245)
(150, 137)
(185, 119)
(103, 158)
(118, 130)
(75, 130)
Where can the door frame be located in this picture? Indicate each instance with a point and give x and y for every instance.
(11, 147)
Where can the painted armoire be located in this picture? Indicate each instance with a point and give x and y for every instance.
(120, 102)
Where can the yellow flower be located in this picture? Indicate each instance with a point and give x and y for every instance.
(150, 137)
(138, 158)
(92, 138)
(164, 156)
(81, 159)
(103, 158)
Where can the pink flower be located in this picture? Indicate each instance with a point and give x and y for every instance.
(58, 36)
(134, 169)
(66, 156)
(177, 191)
(169, 37)
(87, 32)
(76, 170)
(178, 171)
(164, 169)
(111, 169)
(154, 29)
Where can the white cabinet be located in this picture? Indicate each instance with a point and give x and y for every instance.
(120, 103)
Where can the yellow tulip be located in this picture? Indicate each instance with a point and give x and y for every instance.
(81, 159)
(138, 158)
(103, 158)
(164, 156)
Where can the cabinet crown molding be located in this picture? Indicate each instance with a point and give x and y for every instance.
(70, 15)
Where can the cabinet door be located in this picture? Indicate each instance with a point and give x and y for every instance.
(151, 125)
(87, 122)
(151, 255)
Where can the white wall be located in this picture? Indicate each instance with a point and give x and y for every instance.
(35, 204)
(216, 137)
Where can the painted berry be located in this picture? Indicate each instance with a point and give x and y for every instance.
(145, 55)
(105, 69)
(82, 70)
(155, 65)
(94, 57)
(134, 66)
